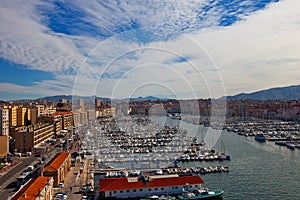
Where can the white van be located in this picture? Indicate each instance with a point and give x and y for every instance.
(30, 168)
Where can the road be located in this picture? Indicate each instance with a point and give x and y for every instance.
(8, 180)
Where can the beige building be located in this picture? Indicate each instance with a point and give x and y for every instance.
(91, 114)
(109, 112)
(12, 115)
(57, 123)
(33, 115)
(81, 103)
(21, 113)
(58, 167)
(4, 145)
(83, 117)
(27, 138)
(76, 117)
(40, 188)
(67, 120)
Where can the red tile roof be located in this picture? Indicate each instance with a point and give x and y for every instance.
(55, 163)
(62, 113)
(109, 184)
(31, 189)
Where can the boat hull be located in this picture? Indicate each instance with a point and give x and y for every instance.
(213, 195)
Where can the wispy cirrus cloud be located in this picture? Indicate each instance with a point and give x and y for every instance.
(56, 36)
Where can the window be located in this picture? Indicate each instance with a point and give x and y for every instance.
(149, 189)
(162, 188)
(127, 190)
(176, 187)
(155, 188)
(141, 189)
(196, 186)
(115, 192)
(121, 191)
(134, 190)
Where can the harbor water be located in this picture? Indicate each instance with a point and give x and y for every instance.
(258, 171)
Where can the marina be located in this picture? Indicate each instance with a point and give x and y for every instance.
(251, 163)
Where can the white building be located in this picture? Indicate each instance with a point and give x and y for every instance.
(134, 187)
(4, 121)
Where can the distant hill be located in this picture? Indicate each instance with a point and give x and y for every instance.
(69, 98)
(286, 93)
(151, 98)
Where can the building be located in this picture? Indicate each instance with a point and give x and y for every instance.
(41, 109)
(65, 101)
(83, 117)
(109, 112)
(58, 167)
(4, 121)
(137, 187)
(81, 103)
(67, 120)
(37, 188)
(57, 123)
(21, 113)
(48, 111)
(76, 117)
(91, 114)
(32, 137)
(4, 145)
(13, 115)
(33, 115)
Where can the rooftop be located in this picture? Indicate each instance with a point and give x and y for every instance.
(32, 189)
(55, 163)
(110, 184)
(62, 113)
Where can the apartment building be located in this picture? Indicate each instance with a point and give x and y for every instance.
(4, 121)
(27, 138)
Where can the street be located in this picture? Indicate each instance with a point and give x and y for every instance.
(8, 180)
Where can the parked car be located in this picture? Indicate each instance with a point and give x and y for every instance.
(18, 154)
(30, 168)
(61, 185)
(84, 197)
(61, 196)
(28, 153)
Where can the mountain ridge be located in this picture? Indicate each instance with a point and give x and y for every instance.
(278, 93)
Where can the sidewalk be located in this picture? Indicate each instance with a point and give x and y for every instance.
(6, 169)
(74, 180)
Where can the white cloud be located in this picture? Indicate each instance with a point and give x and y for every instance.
(25, 41)
(261, 51)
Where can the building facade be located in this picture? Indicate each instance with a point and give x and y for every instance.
(12, 115)
(4, 145)
(21, 114)
(4, 121)
(58, 167)
(28, 138)
(40, 188)
(67, 120)
(137, 187)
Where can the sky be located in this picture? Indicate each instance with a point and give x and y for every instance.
(173, 49)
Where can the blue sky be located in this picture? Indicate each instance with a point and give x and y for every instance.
(193, 49)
